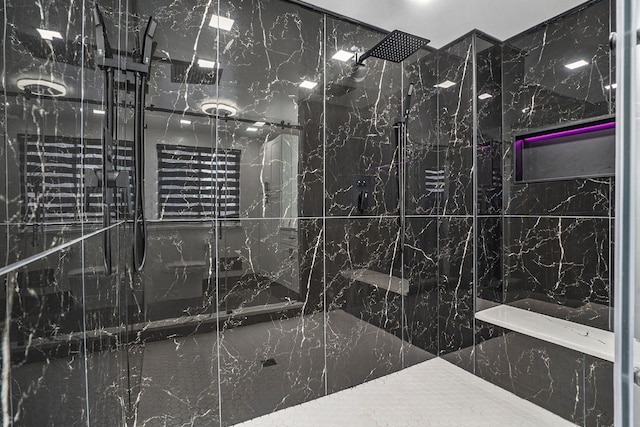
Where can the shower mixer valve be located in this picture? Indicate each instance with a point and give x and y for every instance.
(362, 192)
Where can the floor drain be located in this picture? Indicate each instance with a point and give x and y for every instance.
(268, 362)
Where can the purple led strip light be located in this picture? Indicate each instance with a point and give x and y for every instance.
(578, 131)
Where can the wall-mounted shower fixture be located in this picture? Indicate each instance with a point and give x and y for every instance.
(400, 154)
(361, 192)
(140, 70)
(395, 47)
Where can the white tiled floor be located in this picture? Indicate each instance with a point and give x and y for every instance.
(432, 393)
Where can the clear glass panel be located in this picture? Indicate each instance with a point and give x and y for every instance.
(59, 374)
(627, 329)
(45, 151)
(271, 321)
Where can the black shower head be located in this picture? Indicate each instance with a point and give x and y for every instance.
(395, 47)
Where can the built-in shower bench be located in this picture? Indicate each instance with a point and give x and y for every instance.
(379, 280)
(582, 338)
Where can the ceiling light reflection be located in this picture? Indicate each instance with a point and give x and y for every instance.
(576, 64)
(205, 63)
(41, 87)
(217, 109)
(306, 84)
(221, 22)
(445, 84)
(343, 55)
(48, 34)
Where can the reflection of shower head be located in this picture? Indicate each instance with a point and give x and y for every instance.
(395, 47)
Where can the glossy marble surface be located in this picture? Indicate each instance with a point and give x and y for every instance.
(247, 251)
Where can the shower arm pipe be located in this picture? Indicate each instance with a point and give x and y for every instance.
(361, 58)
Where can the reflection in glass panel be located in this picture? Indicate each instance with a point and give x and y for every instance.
(52, 303)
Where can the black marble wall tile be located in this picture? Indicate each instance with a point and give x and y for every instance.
(424, 174)
(311, 159)
(37, 194)
(311, 241)
(179, 277)
(456, 283)
(51, 306)
(599, 392)
(364, 244)
(421, 271)
(488, 66)
(543, 373)
(560, 266)
(489, 284)
(360, 114)
(455, 118)
(364, 321)
(540, 91)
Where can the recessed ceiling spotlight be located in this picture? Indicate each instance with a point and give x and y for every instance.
(205, 63)
(577, 64)
(221, 22)
(343, 55)
(99, 112)
(445, 84)
(306, 84)
(252, 129)
(185, 122)
(48, 34)
(485, 96)
(41, 87)
(216, 109)
(259, 124)
(611, 86)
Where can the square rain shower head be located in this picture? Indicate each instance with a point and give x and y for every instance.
(397, 46)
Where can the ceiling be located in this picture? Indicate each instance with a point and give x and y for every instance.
(443, 21)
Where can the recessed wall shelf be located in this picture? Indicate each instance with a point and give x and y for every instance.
(584, 149)
(582, 338)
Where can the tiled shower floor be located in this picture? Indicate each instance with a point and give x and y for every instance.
(180, 385)
(432, 393)
(175, 382)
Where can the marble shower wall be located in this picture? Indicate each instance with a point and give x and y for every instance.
(556, 236)
(573, 214)
(66, 318)
(447, 201)
(276, 267)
